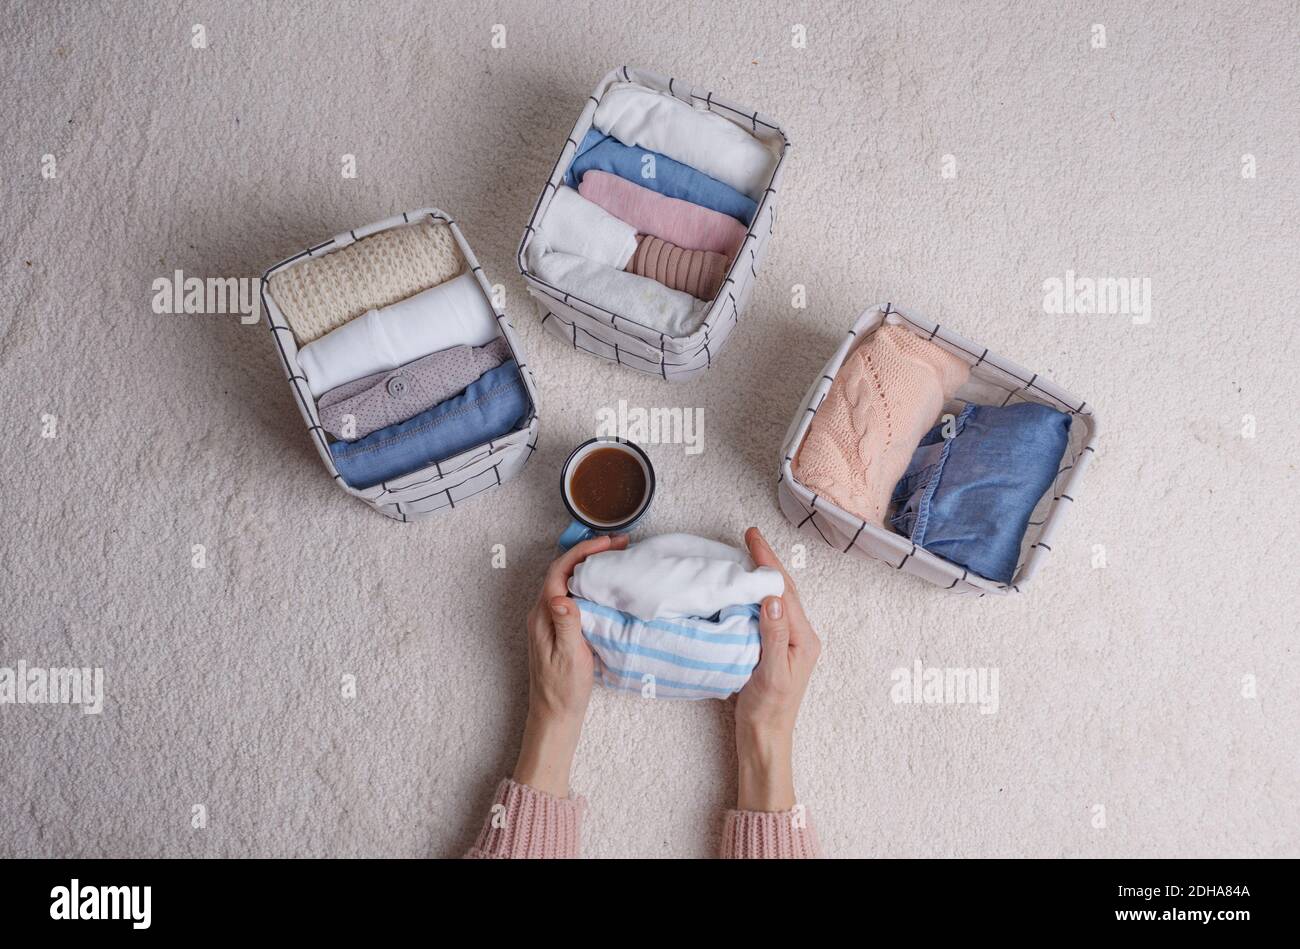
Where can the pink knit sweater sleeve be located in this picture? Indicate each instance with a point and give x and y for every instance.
(750, 835)
(524, 822)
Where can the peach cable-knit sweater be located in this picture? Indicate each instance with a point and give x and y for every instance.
(524, 822)
(885, 397)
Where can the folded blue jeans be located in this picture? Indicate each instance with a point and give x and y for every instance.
(606, 153)
(493, 404)
(969, 498)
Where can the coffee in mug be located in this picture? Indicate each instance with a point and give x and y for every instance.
(606, 485)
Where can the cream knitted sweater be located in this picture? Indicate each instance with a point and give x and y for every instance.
(322, 294)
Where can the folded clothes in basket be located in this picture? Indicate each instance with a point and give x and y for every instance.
(702, 139)
(634, 298)
(574, 225)
(365, 405)
(455, 313)
(677, 611)
(599, 152)
(494, 404)
(321, 294)
(886, 395)
(969, 497)
(678, 222)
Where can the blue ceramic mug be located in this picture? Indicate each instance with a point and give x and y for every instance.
(586, 525)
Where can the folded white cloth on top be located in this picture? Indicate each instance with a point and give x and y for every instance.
(704, 140)
(455, 313)
(646, 301)
(574, 225)
(674, 575)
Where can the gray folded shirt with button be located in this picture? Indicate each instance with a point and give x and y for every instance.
(357, 408)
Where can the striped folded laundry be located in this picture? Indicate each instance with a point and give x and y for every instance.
(699, 138)
(678, 222)
(599, 152)
(678, 658)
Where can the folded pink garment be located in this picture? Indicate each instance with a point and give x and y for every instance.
(678, 222)
(886, 396)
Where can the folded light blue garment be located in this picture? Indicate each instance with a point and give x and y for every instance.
(685, 657)
(493, 404)
(969, 498)
(672, 178)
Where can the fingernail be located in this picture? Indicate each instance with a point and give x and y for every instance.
(561, 609)
(774, 608)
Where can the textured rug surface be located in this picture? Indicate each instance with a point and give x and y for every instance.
(168, 521)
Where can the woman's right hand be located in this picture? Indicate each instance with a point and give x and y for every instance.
(769, 703)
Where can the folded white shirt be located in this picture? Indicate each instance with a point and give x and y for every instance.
(704, 140)
(455, 313)
(574, 225)
(634, 297)
(674, 575)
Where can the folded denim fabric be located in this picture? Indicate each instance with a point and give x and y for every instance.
(670, 219)
(574, 225)
(323, 293)
(969, 498)
(386, 398)
(455, 313)
(674, 575)
(641, 299)
(699, 138)
(697, 272)
(600, 152)
(886, 395)
(494, 404)
(683, 658)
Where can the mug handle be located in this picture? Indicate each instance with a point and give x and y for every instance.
(575, 533)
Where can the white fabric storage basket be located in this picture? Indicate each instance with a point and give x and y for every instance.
(993, 381)
(447, 483)
(615, 337)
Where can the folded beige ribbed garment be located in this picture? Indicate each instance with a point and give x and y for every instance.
(320, 295)
(697, 272)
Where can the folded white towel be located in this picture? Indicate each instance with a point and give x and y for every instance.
(574, 225)
(455, 313)
(674, 575)
(641, 299)
(704, 140)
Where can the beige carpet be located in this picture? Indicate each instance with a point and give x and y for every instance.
(1147, 707)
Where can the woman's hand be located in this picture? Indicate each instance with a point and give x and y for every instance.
(560, 670)
(769, 703)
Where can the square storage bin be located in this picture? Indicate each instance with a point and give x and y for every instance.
(616, 337)
(993, 381)
(446, 483)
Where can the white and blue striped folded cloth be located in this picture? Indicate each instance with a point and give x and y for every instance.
(685, 657)
(674, 616)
